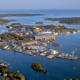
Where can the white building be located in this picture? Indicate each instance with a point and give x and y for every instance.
(53, 51)
(46, 32)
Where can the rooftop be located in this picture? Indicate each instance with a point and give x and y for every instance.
(45, 35)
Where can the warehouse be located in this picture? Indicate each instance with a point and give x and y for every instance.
(50, 36)
(29, 43)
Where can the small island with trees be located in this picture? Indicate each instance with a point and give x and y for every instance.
(39, 22)
(37, 67)
(10, 15)
(72, 20)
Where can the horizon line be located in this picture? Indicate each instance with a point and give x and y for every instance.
(39, 9)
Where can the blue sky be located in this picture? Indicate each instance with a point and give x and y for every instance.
(39, 4)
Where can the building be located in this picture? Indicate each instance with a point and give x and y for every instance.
(60, 24)
(46, 32)
(10, 27)
(51, 36)
(36, 30)
(53, 51)
(29, 43)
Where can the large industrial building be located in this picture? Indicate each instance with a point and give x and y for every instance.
(29, 43)
(46, 36)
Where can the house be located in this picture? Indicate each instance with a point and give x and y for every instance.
(22, 29)
(20, 34)
(17, 34)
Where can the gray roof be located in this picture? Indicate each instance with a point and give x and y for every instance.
(44, 35)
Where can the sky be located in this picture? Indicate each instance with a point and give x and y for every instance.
(39, 4)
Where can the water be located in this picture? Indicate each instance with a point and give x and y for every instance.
(57, 70)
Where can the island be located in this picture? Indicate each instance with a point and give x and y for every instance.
(10, 15)
(5, 21)
(39, 22)
(37, 67)
(72, 20)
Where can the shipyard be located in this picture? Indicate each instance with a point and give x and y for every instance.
(35, 42)
(40, 47)
(38, 43)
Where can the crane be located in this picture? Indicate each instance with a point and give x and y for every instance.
(73, 52)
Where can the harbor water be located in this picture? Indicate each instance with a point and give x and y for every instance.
(58, 69)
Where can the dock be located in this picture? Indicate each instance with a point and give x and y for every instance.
(69, 58)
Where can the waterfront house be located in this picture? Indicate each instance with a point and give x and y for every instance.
(28, 32)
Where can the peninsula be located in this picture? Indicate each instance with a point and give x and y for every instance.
(72, 20)
(5, 21)
(10, 15)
